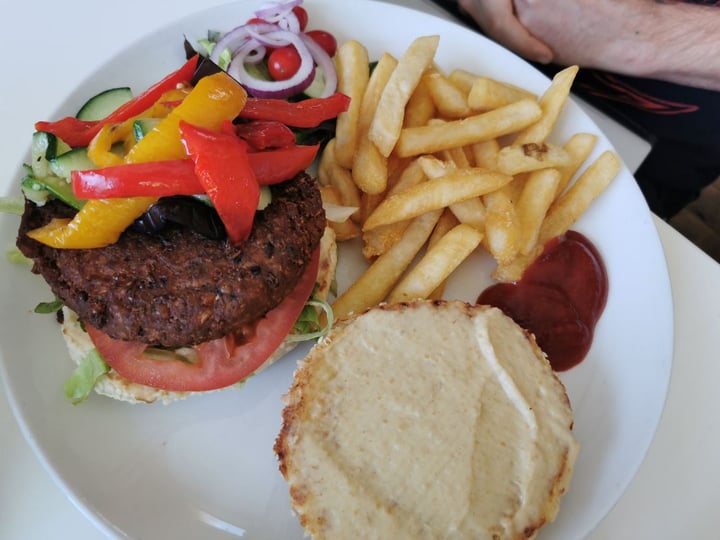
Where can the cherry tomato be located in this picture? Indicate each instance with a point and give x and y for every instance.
(302, 17)
(283, 63)
(220, 362)
(325, 39)
(256, 20)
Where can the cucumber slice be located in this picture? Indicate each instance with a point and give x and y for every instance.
(37, 189)
(45, 146)
(75, 159)
(317, 85)
(265, 197)
(102, 104)
(142, 126)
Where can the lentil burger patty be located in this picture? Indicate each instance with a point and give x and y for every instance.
(179, 288)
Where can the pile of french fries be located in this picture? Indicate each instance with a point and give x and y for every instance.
(432, 166)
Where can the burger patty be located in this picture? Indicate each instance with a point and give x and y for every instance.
(178, 288)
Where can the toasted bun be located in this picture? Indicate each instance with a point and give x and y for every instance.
(117, 387)
(429, 419)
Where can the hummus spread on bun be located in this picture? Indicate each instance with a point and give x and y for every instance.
(428, 419)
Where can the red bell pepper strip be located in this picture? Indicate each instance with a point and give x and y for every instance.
(223, 168)
(80, 132)
(147, 179)
(262, 134)
(304, 114)
(177, 176)
(274, 166)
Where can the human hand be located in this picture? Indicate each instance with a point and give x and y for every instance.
(589, 33)
(498, 20)
(669, 40)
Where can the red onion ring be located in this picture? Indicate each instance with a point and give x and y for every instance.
(237, 37)
(274, 89)
(324, 63)
(248, 44)
(276, 12)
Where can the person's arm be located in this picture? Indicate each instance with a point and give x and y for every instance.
(666, 40)
(498, 21)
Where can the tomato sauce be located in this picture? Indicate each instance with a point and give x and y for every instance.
(559, 298)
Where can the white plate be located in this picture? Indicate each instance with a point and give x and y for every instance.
(204, 467)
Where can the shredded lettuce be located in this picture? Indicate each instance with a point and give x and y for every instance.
(12, 205)
(224, 59)
(15, 256)
(82, 381)
(208, 44)
(49, 307)
(309, 324)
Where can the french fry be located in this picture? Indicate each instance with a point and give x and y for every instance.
(485, 153)
(369, 166)
(368, 203)
(536, 197)
(326, 163)
(454, 187)
(437, 264)
(388, 120)
(457, 156)
(449, 100)
(411, 175)
(373, 285)
(420, 107)
(513, 270)
(463, 79)
(446, 222)
(378, 240)
(531, 157)
(481, 127)
(434, 167)
(486, 94)
(341, 178)
(552, 103)
(353, 72)
(576, 200)
(501, 228)
(346, 229)
(578, 148)
(471, 211)
(515, 188)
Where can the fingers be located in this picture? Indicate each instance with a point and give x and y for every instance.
(497, 19)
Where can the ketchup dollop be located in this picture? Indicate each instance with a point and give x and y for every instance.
(559, 298)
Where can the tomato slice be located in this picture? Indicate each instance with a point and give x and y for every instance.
(222, 362)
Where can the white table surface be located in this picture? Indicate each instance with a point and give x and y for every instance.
(676, 493)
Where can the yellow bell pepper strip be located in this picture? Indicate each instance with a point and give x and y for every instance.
(101, 149)
(77, 132)
(214, 99)
(72, 234)
(223, 168)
